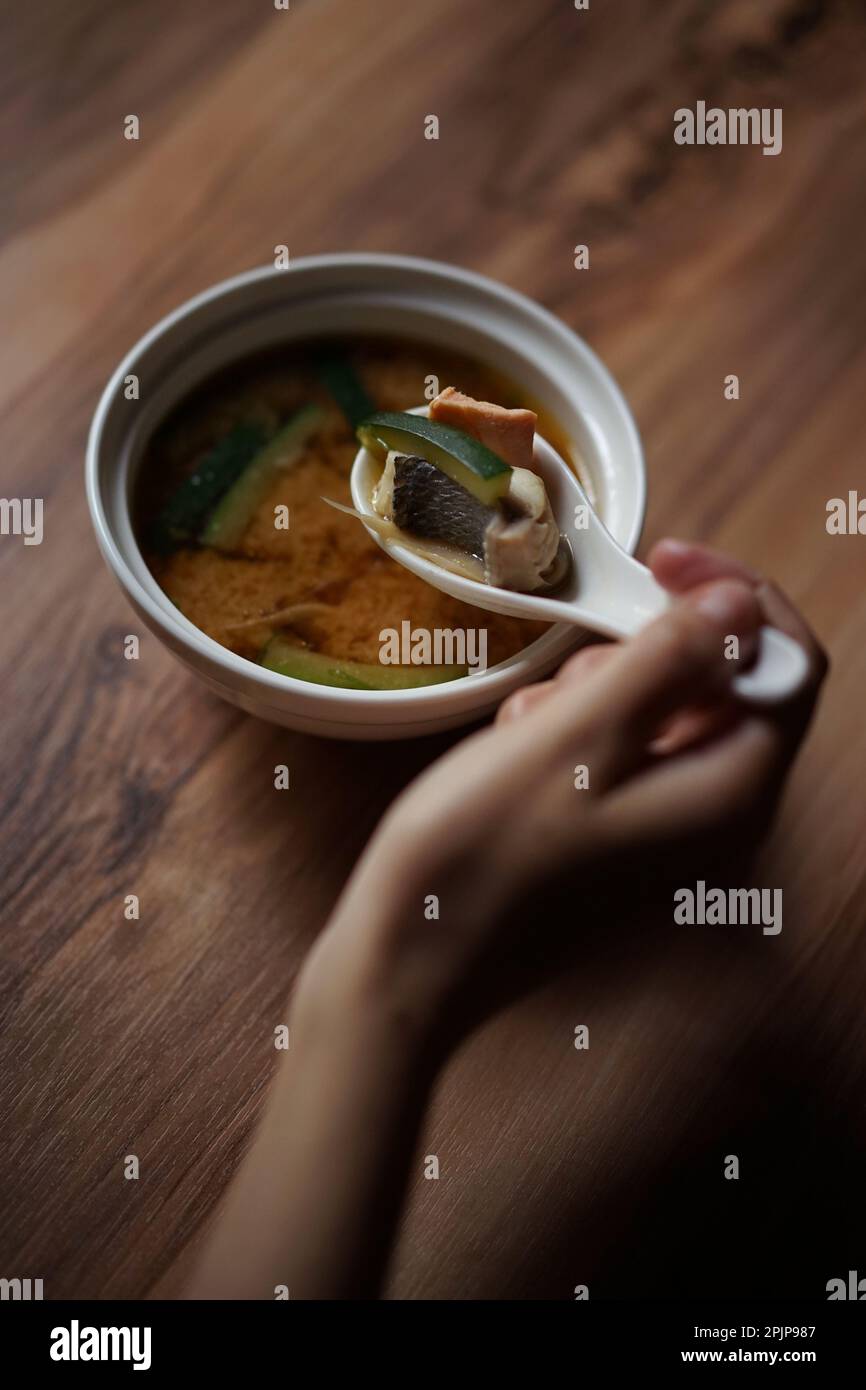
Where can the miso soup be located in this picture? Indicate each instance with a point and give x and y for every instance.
(231, 520)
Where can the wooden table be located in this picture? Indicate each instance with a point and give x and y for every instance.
(155, 1037)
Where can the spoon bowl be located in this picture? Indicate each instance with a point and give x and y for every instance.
(605, 589)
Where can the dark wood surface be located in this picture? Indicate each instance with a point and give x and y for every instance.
(154, 1037)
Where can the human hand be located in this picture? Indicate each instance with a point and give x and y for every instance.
(674, 769)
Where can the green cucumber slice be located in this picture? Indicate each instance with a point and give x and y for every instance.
(339, 377)
(286, 659)
(183, 514)
(463, 458)
(233, 514)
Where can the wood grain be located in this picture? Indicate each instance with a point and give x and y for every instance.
(155, 1037)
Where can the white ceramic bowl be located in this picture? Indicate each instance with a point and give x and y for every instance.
(318, 295)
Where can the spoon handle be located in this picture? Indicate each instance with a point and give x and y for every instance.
(780, 666)
(779, 670)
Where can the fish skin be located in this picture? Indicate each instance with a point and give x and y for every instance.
(430, 505)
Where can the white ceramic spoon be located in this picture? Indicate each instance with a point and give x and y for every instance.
(606, 590)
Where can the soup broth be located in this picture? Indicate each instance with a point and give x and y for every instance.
(297, 570)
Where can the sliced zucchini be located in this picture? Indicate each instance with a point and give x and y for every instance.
(340, 378)
(463, 458)
(234, 512)
(183, 514)
(284, 657)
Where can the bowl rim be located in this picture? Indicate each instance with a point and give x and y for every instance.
(437, 697)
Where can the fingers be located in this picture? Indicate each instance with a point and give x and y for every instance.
(717, 787)
(573, 672)
(522, 701)
(739, 766)
(684, 728)
(678, 660)
(692, 725)
(618, 706)
(665, 692)
(578, 667)
(679, 566)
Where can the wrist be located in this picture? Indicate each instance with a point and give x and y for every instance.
(404, 938)
(360, 989)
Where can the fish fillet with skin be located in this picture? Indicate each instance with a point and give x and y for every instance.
(518, 540)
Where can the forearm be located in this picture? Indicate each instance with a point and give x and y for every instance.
(317, 1200)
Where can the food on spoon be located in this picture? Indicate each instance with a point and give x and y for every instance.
(513, 533)
(510, 434)
(456, 453)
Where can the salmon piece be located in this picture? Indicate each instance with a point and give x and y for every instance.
(509, 433)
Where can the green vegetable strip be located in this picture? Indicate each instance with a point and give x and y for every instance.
(181, 518)
(340, 378)
(235, 510)
(302, 664)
